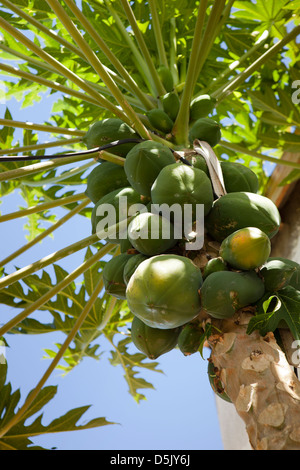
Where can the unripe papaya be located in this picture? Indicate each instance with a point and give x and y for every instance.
(216, 383)
(198, 161)
(163, 291)
(114, 208)
(105, 178)
(144, 162)
(207, 130)
(247, 248)
(153, 342)
(166, 77)
(278, 273)
(182, 184)
(225, 292)
(109, 130)
(214, 265)
(151, 234)
(113, 276)
(171, 104)
(201, 106)
(189, 339)
(131, 266)
(239, 210)
(160, 120)
(125, 245)
(238, 177)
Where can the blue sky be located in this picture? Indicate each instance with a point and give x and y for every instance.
(179, 413)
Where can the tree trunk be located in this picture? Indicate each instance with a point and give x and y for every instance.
(257, 374)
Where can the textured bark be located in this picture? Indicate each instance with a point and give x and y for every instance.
(260, 382)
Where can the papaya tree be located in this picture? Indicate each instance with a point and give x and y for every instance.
(188, 103)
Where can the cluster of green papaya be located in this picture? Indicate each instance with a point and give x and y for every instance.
(164, 287)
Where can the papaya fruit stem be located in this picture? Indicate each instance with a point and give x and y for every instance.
(34, 394)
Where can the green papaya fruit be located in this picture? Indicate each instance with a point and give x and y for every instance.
(171, 103)
(109, 130)
(160, 120)
(216, 383)
(125, 245)
(164, 291)
(225, 292)
(105, 178)
(182, 184)
(207, 130)
(190, 338)
(113, 278)
(238, 177)
(153, 342)
(201, 106)
(166, 77)
(114, 208)
(151, 234)
(278, 273)
(239, 210)
(131, 266)
(247, 248)
(214, 265)
(198, 161)
(143, 164)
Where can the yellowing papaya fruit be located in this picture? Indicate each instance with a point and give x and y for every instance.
(109, 130)
(160, 120)
(205, 129)
(151, 234)
(182, 184)
(201, 106)
(225, 292)
(143, 164)
(164, 291)
(239, 210)
(103, 179)
(153, 342)
(247, 248)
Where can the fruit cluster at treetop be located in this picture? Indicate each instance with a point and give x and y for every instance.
(167, 290)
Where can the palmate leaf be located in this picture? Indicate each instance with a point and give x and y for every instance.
(19, 436)
(275, 310)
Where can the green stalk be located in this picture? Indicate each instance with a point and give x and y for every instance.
(103, 102)
(34, 394)
(48, 83)
(143, 47)
(47, 260)
(63, 201)
(27, 148)
(110, 55)
(228, 88)
(252, 153)
(57, 179)
(110, 157)
(41, 166)
(137, 57)
(41, 127)
(180, 129)
(158, 33)
(173, 51)
(129, 115)
(47, 232)
(208, 38)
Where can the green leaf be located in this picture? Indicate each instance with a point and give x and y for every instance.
(276, 310)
